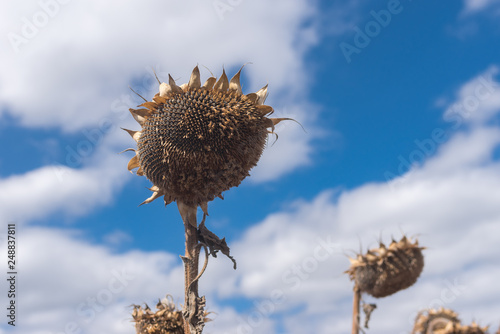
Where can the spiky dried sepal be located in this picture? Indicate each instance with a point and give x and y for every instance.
(199, 140)
(429, 321)
(385, 270)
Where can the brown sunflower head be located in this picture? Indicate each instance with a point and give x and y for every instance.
(199, 140)
(444, 321)
(166, 319)
(385, 270)
(433, 321)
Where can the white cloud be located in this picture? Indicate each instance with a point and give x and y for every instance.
(57, 188)
(117, 238)
(227, 321)
(465, 150)
(477, 100)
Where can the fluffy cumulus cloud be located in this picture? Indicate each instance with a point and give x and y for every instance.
(60, 189)
(290, 265)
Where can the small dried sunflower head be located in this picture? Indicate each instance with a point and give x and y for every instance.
(166, 320)
(444, 321)
(199, 140)
(385, 270)
(433, 321)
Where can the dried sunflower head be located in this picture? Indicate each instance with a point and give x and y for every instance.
(385, 270)
(432, 321)
(166, 320)
(443, 321)
(199, 140)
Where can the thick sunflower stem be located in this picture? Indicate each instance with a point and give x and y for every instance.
(355, 310)
(192, 302)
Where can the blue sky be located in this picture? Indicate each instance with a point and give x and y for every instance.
(402, 135)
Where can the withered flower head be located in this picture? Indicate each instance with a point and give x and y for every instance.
(431, 320)
(199, 140)
(385, 270)
(166, 319)
(444, 321)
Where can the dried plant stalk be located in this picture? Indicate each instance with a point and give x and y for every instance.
(193, 306)
(355, 309)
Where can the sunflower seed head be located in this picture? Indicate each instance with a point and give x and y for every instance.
(166, 319)
(383, 271)
(432, 320)
(198, 141)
